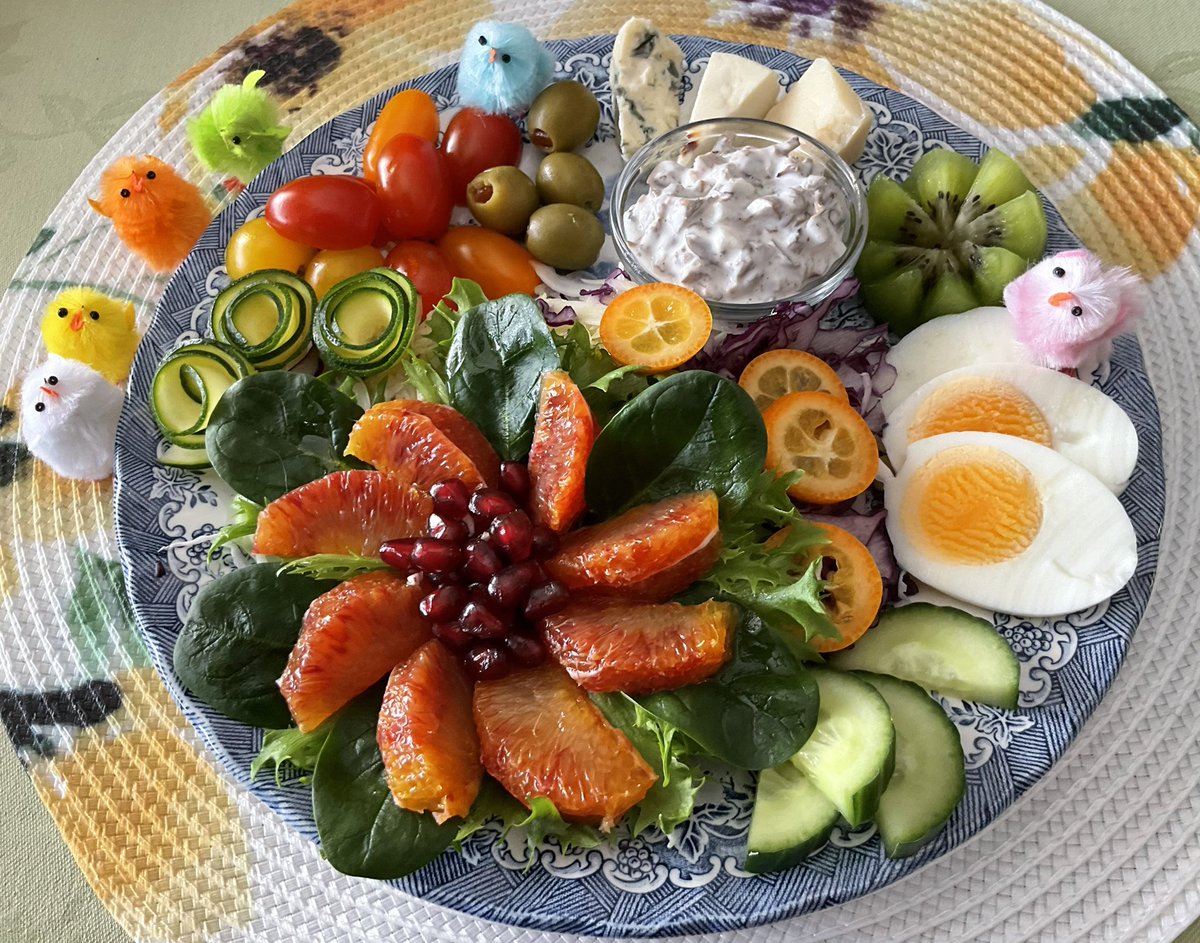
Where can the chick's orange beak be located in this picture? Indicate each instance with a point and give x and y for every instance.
(1061, 298)
(492, 55)
(76, 322)
(48, 391)
(136, 184)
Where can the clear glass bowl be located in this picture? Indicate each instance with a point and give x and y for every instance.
(690, 140)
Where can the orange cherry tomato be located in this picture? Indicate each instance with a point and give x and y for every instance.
(255, 246)
(425, 267)
(496, 263)
(330, 266)
(407, 112)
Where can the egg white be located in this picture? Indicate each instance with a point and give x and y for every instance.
(1084, 551)
(1086, 426)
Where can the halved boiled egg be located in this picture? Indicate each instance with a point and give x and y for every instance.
(1076, 420)
(1007, 524)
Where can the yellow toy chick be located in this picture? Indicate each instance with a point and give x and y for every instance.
(82, 324)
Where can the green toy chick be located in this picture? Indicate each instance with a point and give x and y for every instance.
(238, 133)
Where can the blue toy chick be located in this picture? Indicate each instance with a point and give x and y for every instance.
(502, 68)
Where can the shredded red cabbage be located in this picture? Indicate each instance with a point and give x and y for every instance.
(563, 317)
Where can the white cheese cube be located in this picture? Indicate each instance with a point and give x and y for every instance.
(821, 104)
(735, 87)
(646, 77)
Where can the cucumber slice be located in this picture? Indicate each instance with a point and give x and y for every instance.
(364, 323)
(186, 387)
(850, 754)
(791, 820)
(930, 775)
(941, 649)
(266, 316)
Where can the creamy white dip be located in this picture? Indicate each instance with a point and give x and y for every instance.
(739, 224)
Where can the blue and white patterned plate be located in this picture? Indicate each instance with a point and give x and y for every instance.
(652, 885)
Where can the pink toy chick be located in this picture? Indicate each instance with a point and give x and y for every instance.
(1069, 307)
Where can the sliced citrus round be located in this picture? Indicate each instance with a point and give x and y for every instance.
(401, 442)
(620, 555)
(640, 648)
(344, 512)
(427, 735)
(459, 430)
(779, 372)
(825, 439)
(539, 735)
(659, 326)
(351, 637)
(562, 441)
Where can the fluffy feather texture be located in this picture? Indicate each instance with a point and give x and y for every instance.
(238, 133)
(69, 418)
(83, 324)
(1067, 309)
(155, 212)
(502, 68)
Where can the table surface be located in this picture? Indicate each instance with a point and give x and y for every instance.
(63, 92)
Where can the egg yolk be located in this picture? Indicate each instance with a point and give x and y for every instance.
(972, 505)
(980, 404)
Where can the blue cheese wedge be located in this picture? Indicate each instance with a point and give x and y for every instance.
(646, 76)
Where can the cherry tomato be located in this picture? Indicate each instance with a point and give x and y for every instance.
(330, 266)
(498, 264)
(255, 246)
(327, 212)
(425, 267)
(408, 112)
(476, 141)
(414, 188)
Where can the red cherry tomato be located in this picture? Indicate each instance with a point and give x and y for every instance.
(414, 187)
(476, 141)
(499, 265)
(325, 212)
(426, 269)
(407, 112)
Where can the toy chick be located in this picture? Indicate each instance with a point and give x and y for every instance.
(83, 324)
(155, 212)
(69, 418)
(1067, 309)
(238, 133)
(502, 68)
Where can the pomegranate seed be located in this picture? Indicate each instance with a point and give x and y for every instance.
(437, 580)
(455, 529)
(488, 662)
(487, 504)
(546, 599)
(443, 604)
(545, 541)
(450, 496)
(513, 533)
(482, 560)
(436, 556)
(481, 622)
(399, 554)
(529, 650)
(510, 587)
(514, 478)
(454, 635)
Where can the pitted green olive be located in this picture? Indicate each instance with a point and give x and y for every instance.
(503, 199)
(565, 236)
(563, 117)
(570, 178)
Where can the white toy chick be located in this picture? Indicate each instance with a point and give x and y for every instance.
(69, 418)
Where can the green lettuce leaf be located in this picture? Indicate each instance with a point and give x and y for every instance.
(538, 822)
(332, 566)
(290, 746)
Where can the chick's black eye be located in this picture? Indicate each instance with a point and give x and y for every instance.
(62, 312)
(150, 175)
(1077, 311)
(53, 381)
(94, 315)
(1059, 272)
(483, 40)
(124, 193)
(39, 407)
(236, 139)
(506, 58)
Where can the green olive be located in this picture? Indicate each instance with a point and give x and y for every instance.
(565, 236)
(503, 199)
(564, 116)
(570, 178)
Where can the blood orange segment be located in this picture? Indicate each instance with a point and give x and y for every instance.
(540, 736)
(345, 512)
(427, 735)
(351, 637)
(562, 440)
(408, 444)
(459, 430)
(644, 544)
(639, 648)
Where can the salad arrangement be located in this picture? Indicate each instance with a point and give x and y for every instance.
(579, 566)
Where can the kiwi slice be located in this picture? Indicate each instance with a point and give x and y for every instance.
(948, 238)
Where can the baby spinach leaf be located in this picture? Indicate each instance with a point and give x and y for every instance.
(363, 832)
(290, 746)
(692, 431)
(755, 712)
(274, 431)
(237, 638)
(494, 370)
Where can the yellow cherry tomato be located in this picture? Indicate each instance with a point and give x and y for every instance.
(407, 112)
(255, 246)
(330, 266)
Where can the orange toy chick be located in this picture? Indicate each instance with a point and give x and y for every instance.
(155, 212)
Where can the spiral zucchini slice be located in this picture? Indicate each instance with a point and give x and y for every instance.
(364, 323)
